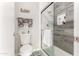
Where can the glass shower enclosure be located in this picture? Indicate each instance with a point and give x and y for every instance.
(58, 28)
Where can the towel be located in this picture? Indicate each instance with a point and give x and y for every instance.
(47, 37)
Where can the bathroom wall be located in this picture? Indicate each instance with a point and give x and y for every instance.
(58, 51)
(34, 14)
(7, 28)
(8, 25)
(76, 28)
(62, 38)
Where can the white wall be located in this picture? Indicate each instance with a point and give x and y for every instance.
(33, 14)
(76, 28)
(7, 26)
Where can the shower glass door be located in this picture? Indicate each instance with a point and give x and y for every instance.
(47, 30)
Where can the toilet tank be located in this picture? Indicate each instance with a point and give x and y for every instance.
(25, 39)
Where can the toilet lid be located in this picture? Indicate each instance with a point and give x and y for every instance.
(26, 50)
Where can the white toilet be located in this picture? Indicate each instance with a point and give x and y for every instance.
(26, 48)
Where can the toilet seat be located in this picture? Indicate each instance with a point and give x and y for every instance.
(26, 50)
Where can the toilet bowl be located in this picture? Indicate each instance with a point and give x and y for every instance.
(26, 50)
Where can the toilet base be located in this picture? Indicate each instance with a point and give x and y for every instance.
(26, 50)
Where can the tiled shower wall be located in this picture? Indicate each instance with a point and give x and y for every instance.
(63, 40)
